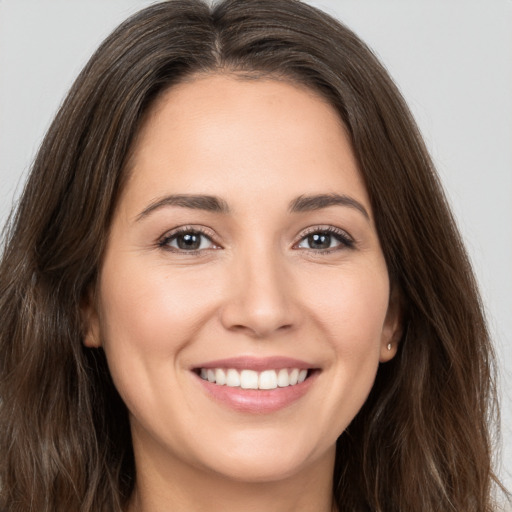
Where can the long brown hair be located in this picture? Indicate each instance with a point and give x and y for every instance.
(422, 440)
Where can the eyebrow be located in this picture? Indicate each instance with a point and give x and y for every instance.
(317, 202)
(195, 202)
(303, 203)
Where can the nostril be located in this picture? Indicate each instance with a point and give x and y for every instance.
(260, 307)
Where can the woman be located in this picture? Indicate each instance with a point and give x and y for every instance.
(217, 295)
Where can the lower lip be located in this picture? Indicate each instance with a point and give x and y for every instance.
(257, 401)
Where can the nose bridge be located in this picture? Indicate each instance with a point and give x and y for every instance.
(260, 300)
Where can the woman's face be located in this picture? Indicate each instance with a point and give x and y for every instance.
(243, 254)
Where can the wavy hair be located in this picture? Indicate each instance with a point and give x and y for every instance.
(421, 442)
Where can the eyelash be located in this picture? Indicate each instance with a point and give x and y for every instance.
(185, 230)
(346, 242)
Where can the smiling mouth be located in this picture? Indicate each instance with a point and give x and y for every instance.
(251, 379)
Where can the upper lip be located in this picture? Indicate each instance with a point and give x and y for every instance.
(256, 363)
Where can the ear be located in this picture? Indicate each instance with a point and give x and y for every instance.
(90, 320)
(393, 326)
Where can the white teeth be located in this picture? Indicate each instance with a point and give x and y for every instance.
(250, 379)
(220, 376)
(268, 380)
(283, 379)
(232, 379)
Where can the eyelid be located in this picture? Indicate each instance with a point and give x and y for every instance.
(201, 230)
(346, 240)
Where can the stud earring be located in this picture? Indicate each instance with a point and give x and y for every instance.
(389, 346)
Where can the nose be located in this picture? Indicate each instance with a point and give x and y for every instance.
(260, 300)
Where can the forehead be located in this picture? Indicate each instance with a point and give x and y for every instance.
(221, 134)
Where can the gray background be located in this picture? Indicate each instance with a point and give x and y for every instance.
(451, 59)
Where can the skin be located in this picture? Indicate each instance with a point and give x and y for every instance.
(256, 287)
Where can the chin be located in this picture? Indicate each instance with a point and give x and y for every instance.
(259, 470)
(260, 461)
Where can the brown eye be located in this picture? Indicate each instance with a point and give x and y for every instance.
(188, 241)
(324, 240)
(319, 241)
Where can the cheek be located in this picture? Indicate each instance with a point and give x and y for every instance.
(148, 316)
(350, 305)
(350, 311)
(151, 308)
